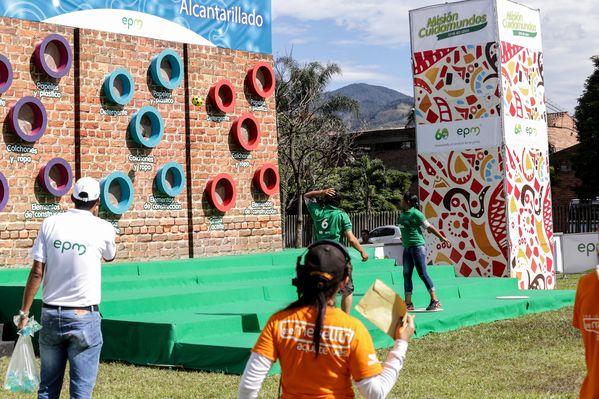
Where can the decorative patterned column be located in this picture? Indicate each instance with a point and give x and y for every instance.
(482, 138)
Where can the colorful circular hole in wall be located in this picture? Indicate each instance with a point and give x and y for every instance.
(54, 56)
(246, 131)
(56, 177)
(116, 193)
(266, 179)
(170, 179)
(3, 192)
(28, 119)
(222, 96)
(147, 127)
(261, 79)
(222, 192)
(167, 69)
(119, 87)
(5, 74)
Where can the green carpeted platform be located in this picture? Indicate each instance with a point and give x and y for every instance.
(207, 313)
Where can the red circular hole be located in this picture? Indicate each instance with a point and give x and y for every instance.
(261, 79)
(246, 132)
(266, 179)
(222, 96)
(222, 192)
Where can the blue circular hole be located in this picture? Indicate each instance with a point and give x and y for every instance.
(116, 193)
(170, 179)
(167, 69)
(147, 127)
(119, 87)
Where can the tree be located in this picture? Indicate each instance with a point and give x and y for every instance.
(311, 131)
(370, 187)
(586, 164)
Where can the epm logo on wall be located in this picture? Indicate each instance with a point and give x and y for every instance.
(450, 25)
(464, 132)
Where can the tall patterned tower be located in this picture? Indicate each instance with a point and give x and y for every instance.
(482, 138)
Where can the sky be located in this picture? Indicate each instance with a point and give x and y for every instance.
(370, 41)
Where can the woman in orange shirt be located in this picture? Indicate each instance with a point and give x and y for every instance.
(320, 347)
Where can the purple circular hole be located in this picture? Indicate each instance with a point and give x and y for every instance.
(5, 74)
(54, 56)
(56, 177)
(28, 119)
(3, 192)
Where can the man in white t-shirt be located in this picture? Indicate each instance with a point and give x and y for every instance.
(67, 256)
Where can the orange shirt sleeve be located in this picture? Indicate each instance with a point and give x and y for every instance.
(363, 362)
(266, 345)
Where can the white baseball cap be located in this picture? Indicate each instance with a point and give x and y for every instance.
(86, 189)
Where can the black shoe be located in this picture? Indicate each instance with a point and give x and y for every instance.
(434, 306)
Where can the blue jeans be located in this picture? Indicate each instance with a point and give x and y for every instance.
(78, 338)
(415, 257)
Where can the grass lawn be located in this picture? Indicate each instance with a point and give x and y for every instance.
(536, 356)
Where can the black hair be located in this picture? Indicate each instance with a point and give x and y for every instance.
(315, 289)
(84, 205)
(364, 231)
(412, 200)
(334, 200)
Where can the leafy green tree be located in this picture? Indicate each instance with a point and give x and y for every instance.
(586, 164)
(311, 130)
(368, 186)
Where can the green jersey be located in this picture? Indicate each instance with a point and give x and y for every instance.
(330, 223)
(411, 223)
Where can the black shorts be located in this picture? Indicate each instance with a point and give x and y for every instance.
(349, 288)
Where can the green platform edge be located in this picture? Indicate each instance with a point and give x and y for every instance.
(207, 313)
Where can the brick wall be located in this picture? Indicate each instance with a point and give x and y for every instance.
(197, 140)
(19, 221)
(253, 225)
(561, 130)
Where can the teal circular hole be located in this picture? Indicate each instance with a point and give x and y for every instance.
(170, 179)
(116, 193)
(147, 127)
(167, 69)
(119, 87)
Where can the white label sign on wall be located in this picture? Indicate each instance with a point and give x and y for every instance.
(519, 24)
(579, 252)
(458, 135)
(453, 24)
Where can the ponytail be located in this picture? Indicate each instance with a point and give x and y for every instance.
(315, 292)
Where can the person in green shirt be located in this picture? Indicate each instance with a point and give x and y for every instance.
(332, 223)
(411, 221)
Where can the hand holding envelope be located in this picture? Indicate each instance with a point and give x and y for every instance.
(386, 310)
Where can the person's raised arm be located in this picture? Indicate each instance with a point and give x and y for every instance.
(379, 386)
(353, 241)
(31, 288)
(320, 193)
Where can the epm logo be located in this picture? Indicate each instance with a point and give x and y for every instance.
(467, 131)
(79, 249)
(132, 23)
(529, 131)
(442, 134)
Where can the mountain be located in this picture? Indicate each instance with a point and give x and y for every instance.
(380, 107)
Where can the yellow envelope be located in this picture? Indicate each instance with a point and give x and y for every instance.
(383, 307)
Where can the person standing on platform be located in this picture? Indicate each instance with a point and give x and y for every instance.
(586, 319)
(411, 222)
(332, 223)
(365, 237)
(320, 348)
(67, 257)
